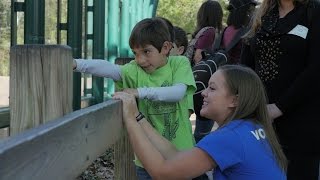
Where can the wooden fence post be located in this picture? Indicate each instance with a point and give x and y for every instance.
(124, 167)
(40, 85)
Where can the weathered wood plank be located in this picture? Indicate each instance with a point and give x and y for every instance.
(40, 84)
(62, 148)
(5, 112)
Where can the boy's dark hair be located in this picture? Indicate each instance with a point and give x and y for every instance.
(209, 14)
(149, 31)
(181, 38)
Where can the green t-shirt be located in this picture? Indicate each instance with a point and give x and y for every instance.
(170, 119)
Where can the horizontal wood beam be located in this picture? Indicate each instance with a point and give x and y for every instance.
(5, 112)
(62, 148)
(4, 117)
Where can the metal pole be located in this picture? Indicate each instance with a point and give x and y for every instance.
(139, 10)
(13, 39)
(74, 37)
(34, 22)
(146, 7)
(124, 30)
(155, 6)
(98, 46)
(113, 35)
(133, 20)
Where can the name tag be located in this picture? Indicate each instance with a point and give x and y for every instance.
(300, 31)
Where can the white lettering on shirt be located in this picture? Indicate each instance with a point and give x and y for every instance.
(259, 133)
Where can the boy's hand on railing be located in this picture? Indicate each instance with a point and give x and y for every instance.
(132, 91)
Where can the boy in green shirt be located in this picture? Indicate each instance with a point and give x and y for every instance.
(162, 84)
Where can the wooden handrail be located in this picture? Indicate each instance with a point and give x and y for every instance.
(62, 148)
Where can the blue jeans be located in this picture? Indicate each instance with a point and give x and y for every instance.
(142, 174)
(202, 129)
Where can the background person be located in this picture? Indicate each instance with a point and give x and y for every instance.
(180, 42)
(283, 49)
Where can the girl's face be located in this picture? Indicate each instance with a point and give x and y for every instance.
(218, 103)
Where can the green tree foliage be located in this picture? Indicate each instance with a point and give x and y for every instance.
(183, 13)
(50, 22)
(4, 37)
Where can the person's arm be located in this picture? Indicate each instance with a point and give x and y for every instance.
(246, 57)
(273, 111)
(172, 165)
(306, 85)
(168, 94)
(197, 56)
(165, 147)
(205, 41)
(96, 67)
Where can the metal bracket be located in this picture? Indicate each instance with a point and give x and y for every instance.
(19, 6)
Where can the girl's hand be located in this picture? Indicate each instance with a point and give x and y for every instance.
(197, 56)
(273, 111)
(132, 91)
(129, 105)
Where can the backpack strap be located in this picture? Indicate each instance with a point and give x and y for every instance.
(236, 38)
(217, 42)
(199, 34)
(202, 31)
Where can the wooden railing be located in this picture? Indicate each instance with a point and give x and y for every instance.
(5, 112)
(62, 148)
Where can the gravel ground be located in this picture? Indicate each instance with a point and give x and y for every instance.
(101, 169)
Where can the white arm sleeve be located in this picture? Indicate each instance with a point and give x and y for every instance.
(99, 67)
(168, 94)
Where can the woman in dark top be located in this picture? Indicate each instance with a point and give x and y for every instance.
(283, 48)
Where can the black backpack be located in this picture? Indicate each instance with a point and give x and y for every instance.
(212, 59)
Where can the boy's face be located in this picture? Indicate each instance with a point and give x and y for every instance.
(149, 58)
(176, 51)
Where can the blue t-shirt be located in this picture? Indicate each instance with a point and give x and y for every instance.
(241, 151)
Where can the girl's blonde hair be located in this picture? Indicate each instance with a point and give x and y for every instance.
(251, 98)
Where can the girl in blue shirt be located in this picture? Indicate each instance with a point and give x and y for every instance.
(244, 146)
